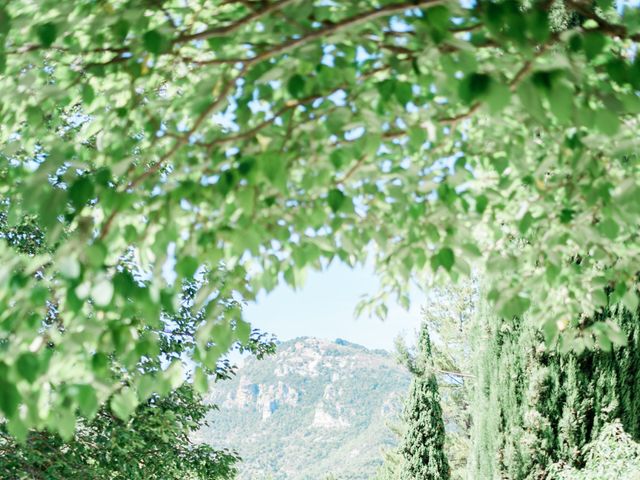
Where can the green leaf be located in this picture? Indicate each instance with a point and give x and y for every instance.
(417, 137)
(124, 403)
(618, 70)
(5, 21)
(200, 381)
(438, 17)
(96, 254)
(605, 4)
(499, 97)
(17, 428)
(39, 294)
(243, 331)
(544, 80)
(47, 33)
(549, 330)
(600, 298)
(630, 300)
(9, 398)
(515, 306)
(175, 373)
(474, 87)
(603, 341)
(88, 94)
(530, 98)
(187, 266)
(28, 366)
(472, 249)
(102, 293)
(432, 232)
(481, 203)
(593, 43)
(81, 192)
(445, 258)
(34, 116)
(538, 23)
(274, 167)
(607, 122)
(337, 158)
(609, 228)
(120, 30)
(617, 335)
(66, 424)
(403, 92)
(154, 42)
(146, 386)
(336, 199)
(296, 86)
(385, 88)
(87, 400)
(525, 222)
(561, 102)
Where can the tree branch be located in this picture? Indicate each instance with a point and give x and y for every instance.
(231, 28)
(329, 30)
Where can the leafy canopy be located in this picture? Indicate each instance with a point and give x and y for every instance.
(149, 141)
(154, 444)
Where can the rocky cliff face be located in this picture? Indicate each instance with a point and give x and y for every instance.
(317, 407)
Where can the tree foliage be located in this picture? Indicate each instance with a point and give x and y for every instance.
(155, 441)
(535, 406)
(422, 447)
(613, 454)
(450, 315)
(153, 444)
(151, 140)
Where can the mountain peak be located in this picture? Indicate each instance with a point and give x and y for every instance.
(314, 407)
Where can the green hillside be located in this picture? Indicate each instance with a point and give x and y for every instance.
(317, 407)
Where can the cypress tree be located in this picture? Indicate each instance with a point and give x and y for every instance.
(535, 406)
(423, 444)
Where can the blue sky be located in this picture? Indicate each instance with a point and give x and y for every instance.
(325, 307)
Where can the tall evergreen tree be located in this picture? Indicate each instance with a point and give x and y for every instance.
(448, 313)
(535, 405)
(423, 445)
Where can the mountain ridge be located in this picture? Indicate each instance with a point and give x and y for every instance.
(317, 407)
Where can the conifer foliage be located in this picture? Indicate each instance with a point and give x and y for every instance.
(535, 405)
(422, 447)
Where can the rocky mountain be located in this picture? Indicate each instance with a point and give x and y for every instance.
(315, 408)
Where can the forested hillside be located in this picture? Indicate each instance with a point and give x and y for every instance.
(316, 407)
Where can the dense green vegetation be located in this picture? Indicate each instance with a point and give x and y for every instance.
(535, 406)
(154, 442)
(153, 445)
(527, 409)
(613, 454)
